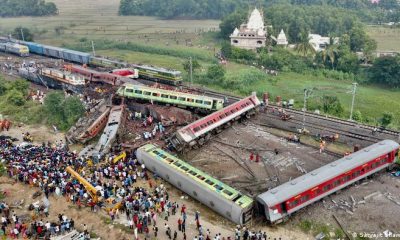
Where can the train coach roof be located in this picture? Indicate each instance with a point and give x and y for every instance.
(179, 94)
(158, 69)
(77, 52)
(244, 201)
(303, 183)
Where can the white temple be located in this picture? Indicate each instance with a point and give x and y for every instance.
(250, 35)
(282, 39)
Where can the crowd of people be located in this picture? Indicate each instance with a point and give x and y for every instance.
(145, 209)
(16, 227)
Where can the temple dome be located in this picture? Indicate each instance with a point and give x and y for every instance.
(256, 20)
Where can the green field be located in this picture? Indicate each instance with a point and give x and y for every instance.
(388, 39)
(98, 19)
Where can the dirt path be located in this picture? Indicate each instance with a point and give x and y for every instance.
(40, 134)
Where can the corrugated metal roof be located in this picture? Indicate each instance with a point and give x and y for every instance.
(327, 172)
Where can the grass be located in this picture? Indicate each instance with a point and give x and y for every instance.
(29, 113)
(386, 37)
(371, 101)
(315, 228)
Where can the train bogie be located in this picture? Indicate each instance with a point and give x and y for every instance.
(219, 197)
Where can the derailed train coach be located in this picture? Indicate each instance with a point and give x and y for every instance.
(279, 203)
(218, 196)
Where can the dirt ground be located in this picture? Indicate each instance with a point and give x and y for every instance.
(242, 140)
(39, 133)
(377, 214)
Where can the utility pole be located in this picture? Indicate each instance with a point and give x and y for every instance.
(94, 53)
(352, 102)
(191, 70)
(307, 93)
(22, 34)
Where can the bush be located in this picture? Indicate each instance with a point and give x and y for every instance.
(20, 85)
(63, 112)
(357, 116)
(15, 97)
(3, 87)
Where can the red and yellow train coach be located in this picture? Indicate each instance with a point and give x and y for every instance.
(284, 200)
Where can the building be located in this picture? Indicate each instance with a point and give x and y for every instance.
(282, 39)
(250, 35)
(319, 42)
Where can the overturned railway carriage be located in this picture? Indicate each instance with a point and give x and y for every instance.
(218, 196)
(171, 97)
(14, 48)
(198, 132)
(282, 201)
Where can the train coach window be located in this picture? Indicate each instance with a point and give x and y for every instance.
(209, 182)
(196, 129)
(207, 102)
(229, 193)
(177, 164)
(190, 100)
(200, 177)
(195, 193)
(181, 98)
(147, 93)
(129, 90)
(218, 187)
(193, 172)
(164, 95)
(325, 188)
(210, 122)
(199, 101)
(173, 97)
(170, 160)
(184, 168)
(155, 94)
(336, 183)
(305, 198)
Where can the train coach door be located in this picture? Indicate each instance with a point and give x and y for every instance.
(214, 104)
(283, 208)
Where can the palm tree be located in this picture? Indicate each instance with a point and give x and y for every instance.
(304, 47)
(330, 52)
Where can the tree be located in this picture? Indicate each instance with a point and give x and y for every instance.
(20, 85)
(230, 22)
(330, 53)
(27, 8)
(23, 33)
(386, 119)
(226, 49)
(216, 73)
(73, 110)
(304, 47)
(332, 105)
(195, 65)
(386, 71)
(61, 111)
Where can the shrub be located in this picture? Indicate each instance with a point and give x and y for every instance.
(15, 97)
